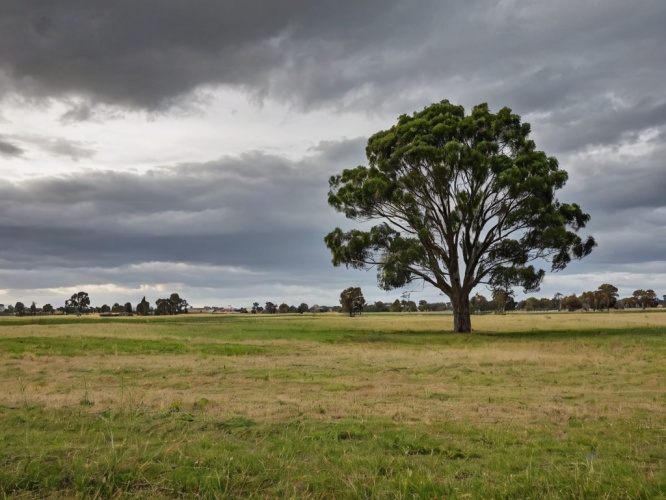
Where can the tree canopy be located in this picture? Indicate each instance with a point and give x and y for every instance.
(352, 300)
(78, 302)
(460, 200)
(173, 305)
(143, 307)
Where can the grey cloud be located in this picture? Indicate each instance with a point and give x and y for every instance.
(600, 122)
(151, 56)
(233, 194)
(621, 177)
(72, 249)
(351, 53)
(589, 77)
(79, 112)
(58, 146)
(251, 210)
(345, 154)
(9, 149)
(628, 238)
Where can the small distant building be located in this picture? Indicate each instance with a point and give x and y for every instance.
(197, 310)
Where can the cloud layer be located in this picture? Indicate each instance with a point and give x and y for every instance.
(118, 180)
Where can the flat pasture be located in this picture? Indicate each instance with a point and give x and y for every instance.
(553, 405)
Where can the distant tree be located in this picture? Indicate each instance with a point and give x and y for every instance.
(315, 309)
(33, 308)
(352, 300)
(589, 300)
(117, 308)
(164, 307)
(180, 305)
(645, 298)
(396, 306)
(128, 308)
(47, 309)
(381, 306)
(439, 306)
(255, 307)
(501, 288)
(501, 298)
(283, 308)
(19, 309)
(303, 308)
(481, 304)
(78, 302)
(105, 309)
(608, 295)
(424, 306)
(408, 305)
(532, 304)
(558, 299)
(143, 307)
(270, 308)
(572, 303)
(171, 306)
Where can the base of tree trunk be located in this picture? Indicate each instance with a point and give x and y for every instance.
(462, 324)
(462, 321)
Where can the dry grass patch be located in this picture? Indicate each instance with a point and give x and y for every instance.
(310, 406)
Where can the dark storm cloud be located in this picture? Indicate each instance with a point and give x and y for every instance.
(586, 73)
(250, 226)
(71, 248)
(254, 211)
(151, 54)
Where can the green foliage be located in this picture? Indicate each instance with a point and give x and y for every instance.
(78, 303)
(352, 300)
(645, 298)
(143, 307)
(171, 306)
(19, 309)
(456, 193)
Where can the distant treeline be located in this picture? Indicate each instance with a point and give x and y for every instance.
(603, 298)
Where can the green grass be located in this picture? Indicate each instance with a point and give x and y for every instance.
(175, 453)
(83, 346)
(333, 407)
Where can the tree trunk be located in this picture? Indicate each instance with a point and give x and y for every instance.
(462, 323)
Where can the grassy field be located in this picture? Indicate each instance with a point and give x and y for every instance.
(558, 405)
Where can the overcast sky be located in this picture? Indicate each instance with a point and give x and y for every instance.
(158, 146)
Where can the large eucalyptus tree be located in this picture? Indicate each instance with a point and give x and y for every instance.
(460, 200)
